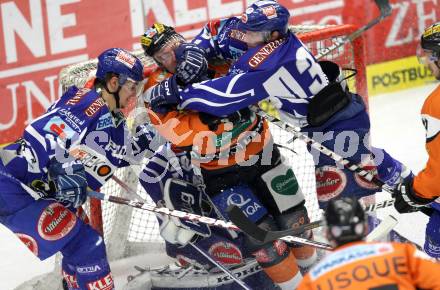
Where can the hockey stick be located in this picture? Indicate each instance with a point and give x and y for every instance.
(385, 11)
(163, 210)
(251, 229)
(221, 267)
(321, 148)
(382, 229)
(265, 236)
(187, 216)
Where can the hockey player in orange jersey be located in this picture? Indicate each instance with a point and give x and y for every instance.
(223, 165)
(425, 187)
(359, 265)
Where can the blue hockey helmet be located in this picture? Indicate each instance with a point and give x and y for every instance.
(126, 66)
(120, 62)
(265, 15)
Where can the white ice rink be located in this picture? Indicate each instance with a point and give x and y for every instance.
(396, 126)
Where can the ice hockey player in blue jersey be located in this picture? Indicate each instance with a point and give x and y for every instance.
(43, 181)
(276, 66)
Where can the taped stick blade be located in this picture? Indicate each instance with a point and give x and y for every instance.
(382, 229)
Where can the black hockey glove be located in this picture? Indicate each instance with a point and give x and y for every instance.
(407, 199)
(70, 182)
(192, 65)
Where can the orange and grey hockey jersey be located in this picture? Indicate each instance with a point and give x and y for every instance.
(366, 266)
(225, 145)
(427, 182)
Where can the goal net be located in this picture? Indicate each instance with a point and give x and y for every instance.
(129, 231)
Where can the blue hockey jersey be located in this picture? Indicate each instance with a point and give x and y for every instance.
(282, 71)
(81, 121)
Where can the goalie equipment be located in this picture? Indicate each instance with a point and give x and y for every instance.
(186, 197)
(193, 276)
(346, 221)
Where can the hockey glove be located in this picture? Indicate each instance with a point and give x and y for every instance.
(163, 96)
(407, 199)
(142, 141)
(185, 197)
(192, 65)
(70, 182)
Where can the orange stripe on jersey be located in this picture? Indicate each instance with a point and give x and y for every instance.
(426, 183)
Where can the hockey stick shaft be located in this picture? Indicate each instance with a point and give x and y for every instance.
(185, 215)
(265, 236)
(251, 229)
(385, 11)
(163, 210)
(321, 148)
(221, 267)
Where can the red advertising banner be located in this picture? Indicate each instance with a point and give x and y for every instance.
(398, 35)
(39, 37)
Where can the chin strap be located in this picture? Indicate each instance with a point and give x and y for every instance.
(115, 94)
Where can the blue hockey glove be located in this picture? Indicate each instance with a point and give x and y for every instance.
(70, 182)
(164, 95)
(192, 65)
(145, 141)
(407, 199)
(143, 137)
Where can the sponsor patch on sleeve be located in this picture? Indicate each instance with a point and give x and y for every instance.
(59, 127)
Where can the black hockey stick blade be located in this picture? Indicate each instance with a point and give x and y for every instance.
(237, 216)
(384, 7)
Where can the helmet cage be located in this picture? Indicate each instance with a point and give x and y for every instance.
(430, 39)
(157, 37)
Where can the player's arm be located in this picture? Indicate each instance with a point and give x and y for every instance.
(424, 188)
(220, 97)
(426, 182)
